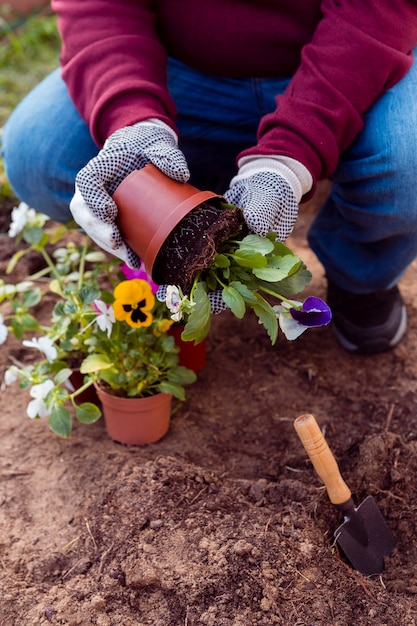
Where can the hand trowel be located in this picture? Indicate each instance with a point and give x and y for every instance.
(364, 536)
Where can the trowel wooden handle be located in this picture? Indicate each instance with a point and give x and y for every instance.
(322, 458)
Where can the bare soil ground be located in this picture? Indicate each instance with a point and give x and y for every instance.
(224, 522)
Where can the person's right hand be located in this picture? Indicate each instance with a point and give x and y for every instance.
(126, 150)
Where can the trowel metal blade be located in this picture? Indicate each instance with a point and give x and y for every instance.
(366, 557)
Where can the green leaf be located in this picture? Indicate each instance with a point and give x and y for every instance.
(95, 363)
(221, 261)
(69, 307)
(87, 413)
(60, 421)
(279, 269)
(55, 287)
(292, 285)
(32, 297)
(234, 301)
(249, 258)
(248, 295)
(176, 390)
(287, 260)
(182, 375)
(35, 236)
(88, 294)
(266, 315)
(198, 324)
(28, 322)
(211, 282)
(63, 375)
(255, 243)
(14, 260)
(280, 249)
(17, 328)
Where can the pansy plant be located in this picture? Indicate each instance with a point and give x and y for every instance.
(243, 274)
(113, 330)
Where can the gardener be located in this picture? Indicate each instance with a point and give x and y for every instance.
(264, 99)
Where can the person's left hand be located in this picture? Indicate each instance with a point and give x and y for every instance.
(268, 190)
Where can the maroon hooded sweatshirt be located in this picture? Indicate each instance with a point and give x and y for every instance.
(342, 56)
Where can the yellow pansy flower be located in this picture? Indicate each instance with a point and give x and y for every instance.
(162, 326)
(134, 302)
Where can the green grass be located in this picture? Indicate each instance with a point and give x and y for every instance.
(29, 51)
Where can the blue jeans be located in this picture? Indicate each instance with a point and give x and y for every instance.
(365, 235)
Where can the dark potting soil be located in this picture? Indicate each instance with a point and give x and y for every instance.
(193, 244)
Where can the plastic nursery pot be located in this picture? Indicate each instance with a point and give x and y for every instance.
(136, 421)
(192, 356)
(150, 205)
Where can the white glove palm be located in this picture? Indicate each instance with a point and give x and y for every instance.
(125, 150)
(268, 190)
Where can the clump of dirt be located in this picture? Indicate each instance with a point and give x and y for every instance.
(193, 244)
(224, 521)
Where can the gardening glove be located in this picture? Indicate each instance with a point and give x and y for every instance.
(269, 190)
(125, 150)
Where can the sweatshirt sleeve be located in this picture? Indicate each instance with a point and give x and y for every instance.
(359, 50)
(111, 61)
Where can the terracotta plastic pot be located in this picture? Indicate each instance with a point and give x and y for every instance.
(150, 205)
(136, 421)
(190, 355)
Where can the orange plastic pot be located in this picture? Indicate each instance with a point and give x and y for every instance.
(190, 355)
(150, 205)
(136, 421)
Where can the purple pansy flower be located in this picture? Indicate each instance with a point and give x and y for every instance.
(141, 273)
(314, 312)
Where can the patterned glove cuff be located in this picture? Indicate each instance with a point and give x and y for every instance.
(151, 122)
(155, 122)
(293, 172)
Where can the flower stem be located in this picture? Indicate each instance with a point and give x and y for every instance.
(80, 390)
(82, 263)
(51, 265)
(270, 292)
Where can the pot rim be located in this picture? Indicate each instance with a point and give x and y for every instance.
(139, 190)
(167, 226)
(124, 399)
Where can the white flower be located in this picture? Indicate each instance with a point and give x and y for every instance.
(10, 375)
(37, 406)
(173, 302)
(289, 326)
(7, 290)
(105, 319)
(44, 345)
(25, 284)
(21, 215)
(176, 317)
(3, 330)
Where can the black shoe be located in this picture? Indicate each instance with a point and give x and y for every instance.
(367, 323)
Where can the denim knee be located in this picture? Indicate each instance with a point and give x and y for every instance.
(366, 234)
(45, 143)
(27, 172)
